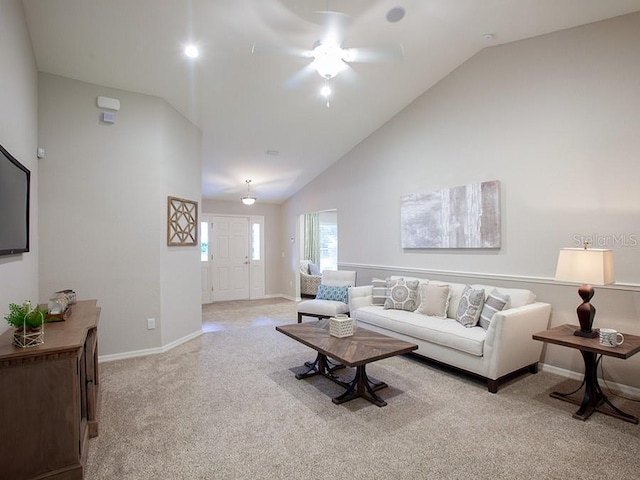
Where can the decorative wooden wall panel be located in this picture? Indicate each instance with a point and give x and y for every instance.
(182, 222)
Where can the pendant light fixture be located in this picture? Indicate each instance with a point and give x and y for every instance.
(248, 199)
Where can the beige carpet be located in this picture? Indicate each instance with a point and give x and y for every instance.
(227, 406)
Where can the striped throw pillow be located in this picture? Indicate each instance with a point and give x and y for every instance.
(380, 292)
(495, 302)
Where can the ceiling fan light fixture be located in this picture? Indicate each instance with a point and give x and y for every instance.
(248, 199)
(191, 51)
(328, 59)
(325, 91)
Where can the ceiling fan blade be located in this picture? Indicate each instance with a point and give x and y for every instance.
(259, 48)
(300, 76)
(335, 25)
(380, 54)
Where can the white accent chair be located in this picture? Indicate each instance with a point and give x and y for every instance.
(308, 282)
(328, 308)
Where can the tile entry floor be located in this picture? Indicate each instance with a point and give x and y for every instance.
(235, 314)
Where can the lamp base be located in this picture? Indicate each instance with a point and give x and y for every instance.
(586, 333)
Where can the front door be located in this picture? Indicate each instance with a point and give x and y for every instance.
(205, 267)
(229, 255)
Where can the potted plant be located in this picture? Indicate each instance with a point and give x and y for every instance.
(28, 323)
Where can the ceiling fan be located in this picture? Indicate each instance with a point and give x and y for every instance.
(328, 56)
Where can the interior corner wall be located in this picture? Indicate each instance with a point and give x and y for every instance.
(104, 208)
(181, 169)
(273, 242)
(555, 119)
(19, 136)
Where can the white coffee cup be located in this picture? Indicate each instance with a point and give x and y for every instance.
(610, 337)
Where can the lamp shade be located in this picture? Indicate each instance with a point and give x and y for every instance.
(585, 265)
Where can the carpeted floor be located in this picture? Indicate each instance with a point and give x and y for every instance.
(227, 406)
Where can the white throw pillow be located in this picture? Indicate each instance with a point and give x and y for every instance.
(434, 300)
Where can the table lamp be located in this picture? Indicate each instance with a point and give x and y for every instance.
(588, 266)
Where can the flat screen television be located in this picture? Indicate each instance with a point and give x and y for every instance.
(15, 183)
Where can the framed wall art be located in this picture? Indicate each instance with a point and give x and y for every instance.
(182, 222)
(460, 217)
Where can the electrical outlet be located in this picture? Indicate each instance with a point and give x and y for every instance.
(151, 323)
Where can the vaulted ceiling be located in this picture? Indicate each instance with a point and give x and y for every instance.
(261, 115)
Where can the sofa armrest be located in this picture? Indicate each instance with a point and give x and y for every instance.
(360, 297)
(509, 345)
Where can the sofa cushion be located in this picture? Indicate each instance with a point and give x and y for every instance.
(403, 295)
(495, 302)
(434, 300)
(379, 291)
(441, 331)
(327, 308)
(470, 306)
(314, 269)
(337, 294)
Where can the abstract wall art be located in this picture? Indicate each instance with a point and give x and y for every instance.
(460, 217)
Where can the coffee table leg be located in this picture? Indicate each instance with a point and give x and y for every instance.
(322, 366)
(317, 367)
(331, 366)
(362, 387)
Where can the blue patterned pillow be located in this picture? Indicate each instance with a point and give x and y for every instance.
(338, 294)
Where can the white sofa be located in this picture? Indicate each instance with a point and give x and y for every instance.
(496, 354)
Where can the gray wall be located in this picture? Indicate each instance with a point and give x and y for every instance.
(103, 198)
(274, 253)
(19, 135)
(555, 119)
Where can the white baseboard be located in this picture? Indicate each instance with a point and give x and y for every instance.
(149, 351)
(633, 392)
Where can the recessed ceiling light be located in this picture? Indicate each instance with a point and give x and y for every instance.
(191, 51)
(395, 14)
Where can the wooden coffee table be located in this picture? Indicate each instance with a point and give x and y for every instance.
(356, 351)
(594, 398)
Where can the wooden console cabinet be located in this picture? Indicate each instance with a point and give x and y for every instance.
(49, 399)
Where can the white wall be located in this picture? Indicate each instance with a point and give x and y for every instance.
(181, 169)
(103, 211)
(555, 119)
(273, 241)
(19, 135)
